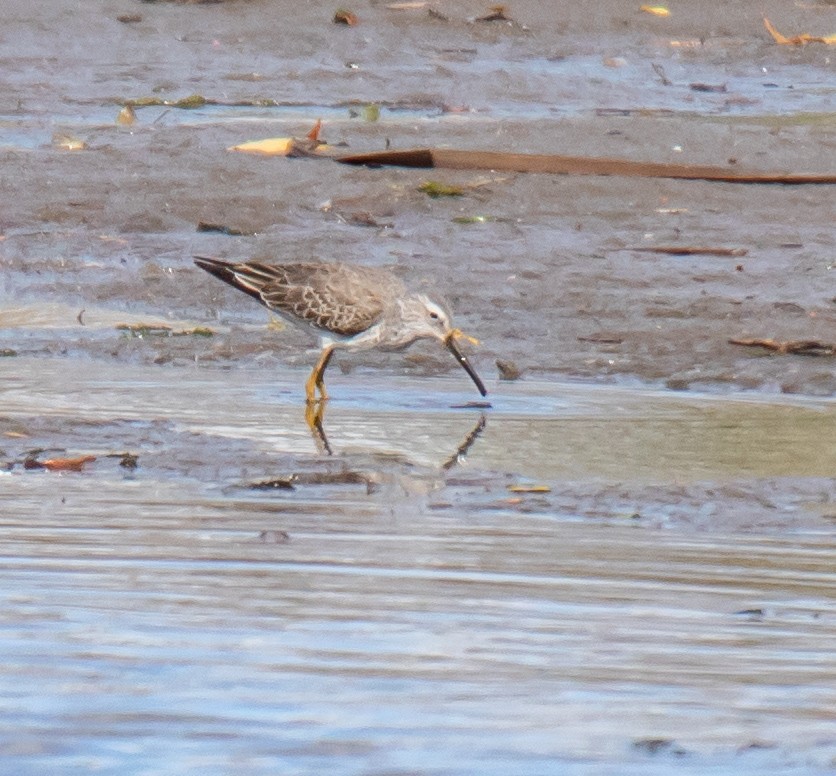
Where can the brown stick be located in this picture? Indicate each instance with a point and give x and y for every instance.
(688, 250)
(573, 165)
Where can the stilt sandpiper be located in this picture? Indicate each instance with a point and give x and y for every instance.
(348, 307)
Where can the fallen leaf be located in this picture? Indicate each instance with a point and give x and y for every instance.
(272, 146)
(287, 146)
(529, 489)
(192, 101)
(496, 14)
(370, 112)
(126, 116)
(345, 17)
(67, 464)
(68, 142)
(141, 330)
(656, 10)
(797, 40)
(313, 135)
(207, 226)
(435, 189)
(145, 329)
(473, 219)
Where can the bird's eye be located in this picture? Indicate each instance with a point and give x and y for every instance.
(434, 316)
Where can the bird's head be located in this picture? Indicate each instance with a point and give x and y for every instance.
(428, 319)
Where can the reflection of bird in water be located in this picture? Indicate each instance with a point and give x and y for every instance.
(315, 417)
(348, 307)
(464, 448)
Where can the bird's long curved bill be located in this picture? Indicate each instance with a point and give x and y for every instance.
(450, 342)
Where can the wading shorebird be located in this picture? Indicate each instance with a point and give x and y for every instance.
(347, 307)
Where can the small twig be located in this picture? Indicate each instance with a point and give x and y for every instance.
(688, 250)
(795, 347)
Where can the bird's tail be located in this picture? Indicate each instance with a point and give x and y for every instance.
(229, 273)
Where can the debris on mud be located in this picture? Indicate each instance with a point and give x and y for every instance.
(473, 219)
(793, 347)
(310, 145)
(496, 13)
(689, 250)
(508, 370)
(126, 117)
(128, 460)
(206, 226)
(274, 537)
(655, 10)
(559, 164)
(529, 489)
(657, 746)
(59, 464)
(342, 16)
(698, 86)
(436, 189)
(797, 40)
(141, 330)
(68, 142)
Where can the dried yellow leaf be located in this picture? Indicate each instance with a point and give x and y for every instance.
(68, 142)
(656, 10)
(529, 489)
(797, 40)
(273, 146)
(126, 116)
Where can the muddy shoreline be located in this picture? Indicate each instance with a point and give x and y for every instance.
(624, 565)
(546, 278)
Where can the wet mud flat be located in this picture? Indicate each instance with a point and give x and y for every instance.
(624, 565)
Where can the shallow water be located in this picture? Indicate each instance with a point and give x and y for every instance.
(170, 618)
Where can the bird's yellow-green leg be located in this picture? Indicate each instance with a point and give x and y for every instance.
(314, 416)
(317, 378)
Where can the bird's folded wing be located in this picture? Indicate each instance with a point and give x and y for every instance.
(331, 301)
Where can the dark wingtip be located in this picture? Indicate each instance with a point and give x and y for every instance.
(222, 270)
(208, 263)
